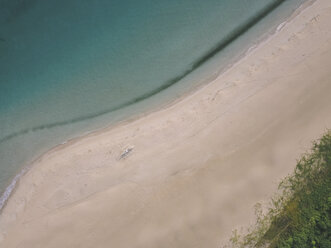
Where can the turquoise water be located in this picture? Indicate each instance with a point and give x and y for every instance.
(69, 67)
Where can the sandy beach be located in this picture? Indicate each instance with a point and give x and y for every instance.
(190, 173)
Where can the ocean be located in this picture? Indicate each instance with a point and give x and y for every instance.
(71, 67)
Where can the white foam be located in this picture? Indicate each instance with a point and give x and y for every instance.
(10, 188)
(280, 26)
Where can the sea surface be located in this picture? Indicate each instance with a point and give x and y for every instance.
(68, 67)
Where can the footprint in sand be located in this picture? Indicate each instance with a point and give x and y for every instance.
(57, 199)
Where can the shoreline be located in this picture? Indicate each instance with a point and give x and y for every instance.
(264, 38)
(223, 44)
(155, 116)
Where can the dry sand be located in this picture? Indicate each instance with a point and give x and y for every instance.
(197, 167)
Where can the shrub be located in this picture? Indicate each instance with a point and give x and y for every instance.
(299, 215)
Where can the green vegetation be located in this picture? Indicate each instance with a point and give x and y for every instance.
(299, 215)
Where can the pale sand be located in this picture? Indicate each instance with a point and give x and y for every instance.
(197, 167)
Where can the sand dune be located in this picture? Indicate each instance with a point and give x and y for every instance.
(197, 167)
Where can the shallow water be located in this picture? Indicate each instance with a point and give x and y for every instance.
(69, 67)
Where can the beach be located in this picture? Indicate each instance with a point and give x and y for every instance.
(61, 77)
(188, 174)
